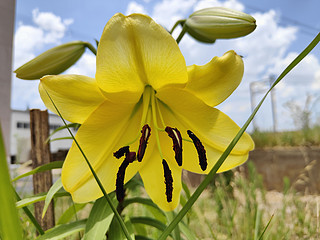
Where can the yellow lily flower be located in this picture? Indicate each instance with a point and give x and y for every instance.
(146, 112)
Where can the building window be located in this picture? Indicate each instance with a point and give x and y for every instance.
(54, 126)
(24, 125)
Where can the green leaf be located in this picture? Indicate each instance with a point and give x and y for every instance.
(61, 138)
(144, 201)
(148, 221)
(52, 191)
(10, 227)
(99, 220)
(139, 237)
(42, 168)
(115, 230)
(70, 212)
(186, 190)
(176, 232)
(62, 231)
(40, 197)
(186, 231)
(70, 125)
(225, 154)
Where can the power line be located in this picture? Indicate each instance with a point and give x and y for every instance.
(290, 20)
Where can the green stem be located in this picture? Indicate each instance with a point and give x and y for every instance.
(91, 48)
(117, 215)
(30, 215)
(182, 33)
(176, 25)
(225, 154)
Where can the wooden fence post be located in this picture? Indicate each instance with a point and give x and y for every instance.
(40, 152)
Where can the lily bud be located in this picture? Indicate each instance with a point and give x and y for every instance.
(52, 62)
(209, 24)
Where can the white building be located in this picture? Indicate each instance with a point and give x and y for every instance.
(20, 143)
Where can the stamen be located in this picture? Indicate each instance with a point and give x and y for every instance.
(121, 152)
(200, 149)
(168, 180)
(143, 141)
(120, 193)
(177, 143)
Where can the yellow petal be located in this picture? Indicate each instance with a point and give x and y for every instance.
(210, 125)
(75, 96)
(153, 178)
(135, 51)
(108, 128)
(216, 80)
(190, 160)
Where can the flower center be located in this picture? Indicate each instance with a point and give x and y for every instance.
(151, 114)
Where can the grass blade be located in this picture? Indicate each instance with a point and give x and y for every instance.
(70, 212)
(264, 230)
(99, 220)
(42, 168)
(10, 227)
(117, 215)
(52, 191)
(62, 231)
(37, 198)
(215, 168)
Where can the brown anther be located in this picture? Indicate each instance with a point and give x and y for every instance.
(175, 135)
(121, 152)
(120, 192)
(146, 132)
(200, 149)
(168, 180)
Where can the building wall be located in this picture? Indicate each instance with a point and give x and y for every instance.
(7, 10)
(20, 135)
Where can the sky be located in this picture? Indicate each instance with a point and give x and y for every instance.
(284, 29)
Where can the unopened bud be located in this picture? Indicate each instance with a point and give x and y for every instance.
(54, 61)
(209, 24)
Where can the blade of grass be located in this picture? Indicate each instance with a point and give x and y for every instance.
(30, 216)
(52, 191)
(225, 154)
(64, 230)
(117, 215)
(10, 227)
(37, 198)
(42, 168)
(264, 230)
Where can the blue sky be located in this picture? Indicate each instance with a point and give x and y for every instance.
(284, 28)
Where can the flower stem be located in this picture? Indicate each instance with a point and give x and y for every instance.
(176, 25)
(183, 31)
(91, 48)
(117, 215)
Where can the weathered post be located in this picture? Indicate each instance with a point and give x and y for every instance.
(40, 152)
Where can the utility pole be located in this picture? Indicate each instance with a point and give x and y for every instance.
(273, 104)
(253, 104)
(260, 87)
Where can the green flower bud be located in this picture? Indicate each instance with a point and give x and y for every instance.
(209, 24)
(54, 61)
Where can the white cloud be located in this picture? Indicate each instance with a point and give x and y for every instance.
(54, 26)
(167, 12)
(85, 66)
(134, 7)
(233, 4)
